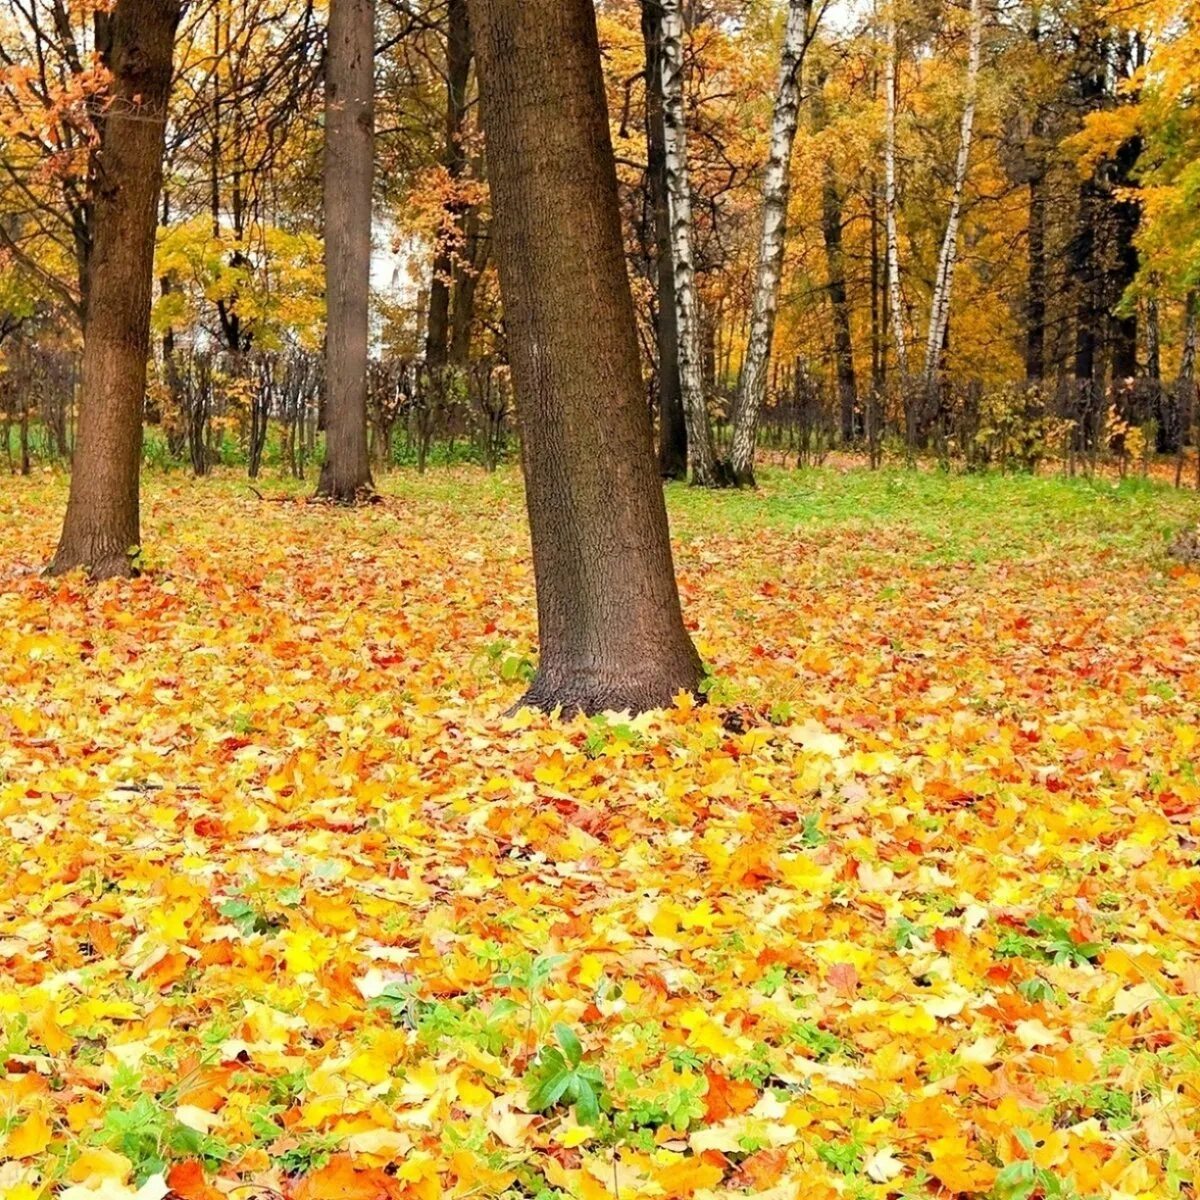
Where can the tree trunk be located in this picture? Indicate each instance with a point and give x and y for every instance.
(835, 264)
(889, 193)
(672, 422)
(349, 180)
(1035, 302)
(706, 471)
(1187, 358)
(458, 78)
(776, 190)
(1085, 272)
(1185, 387)
(1153, 337)
(467, 274)
(103, 527)
(878, 299)
(611, 629)
(1084, 256)
(1035, 314)
(1126, 217)
(939, 312)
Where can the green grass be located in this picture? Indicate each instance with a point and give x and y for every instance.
(928, 517)
(952, 517)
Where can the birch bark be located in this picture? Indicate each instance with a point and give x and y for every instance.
(705, 469)
(889, 194)
(939, 312)
(776, 190)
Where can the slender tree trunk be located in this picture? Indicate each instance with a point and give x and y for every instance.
(706, 471)
(672, 422)
(1185, 387)
(611, 629)
(1153, 338)
(1126, 213)
(349, 180)
(1084, 257)
(467, 274)
(1035, 314)
(878, 300)
(1187, 358)
(835, 266)
(939, 314)
(102, 527)
(889, 193)
(458, 78)
(776, 190)
(1085, 272)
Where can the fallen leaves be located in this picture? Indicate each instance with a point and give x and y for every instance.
(293, 908)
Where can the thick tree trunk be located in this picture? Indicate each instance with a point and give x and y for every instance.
(706, 471)
(611, 630)
(889, 194)
(458, 78)
(349, 180)
(939, 311)
(102, 526)
(772, 243)
(672, 422)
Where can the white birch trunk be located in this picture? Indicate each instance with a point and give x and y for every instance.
(705, 472)
(889, 194)
(939, 311)
(776, 190)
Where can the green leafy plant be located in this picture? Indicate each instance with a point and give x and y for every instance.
(560, 1076)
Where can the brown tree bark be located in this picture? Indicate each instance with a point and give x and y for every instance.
(477, 249)
(103, 522)
(1125, 217)
(1035, 313)
(458, 78)
(832, 222)
(349, 180)
(611, 629)
(672, 421)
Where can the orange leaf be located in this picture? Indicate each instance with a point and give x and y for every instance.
(726, 1098)
(339, 1179)
(186, 1180)
(760, 1171)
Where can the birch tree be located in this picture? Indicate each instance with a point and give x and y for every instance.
(706, 471)
(939, 311)
(889, 192)
(776, 190)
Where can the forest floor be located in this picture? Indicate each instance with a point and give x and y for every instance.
(911, 907)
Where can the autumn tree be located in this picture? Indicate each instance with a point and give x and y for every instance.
(672, 435)
(349, 178)
(611, 629)
(101, 532)
(707, 471)
(772, 243)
